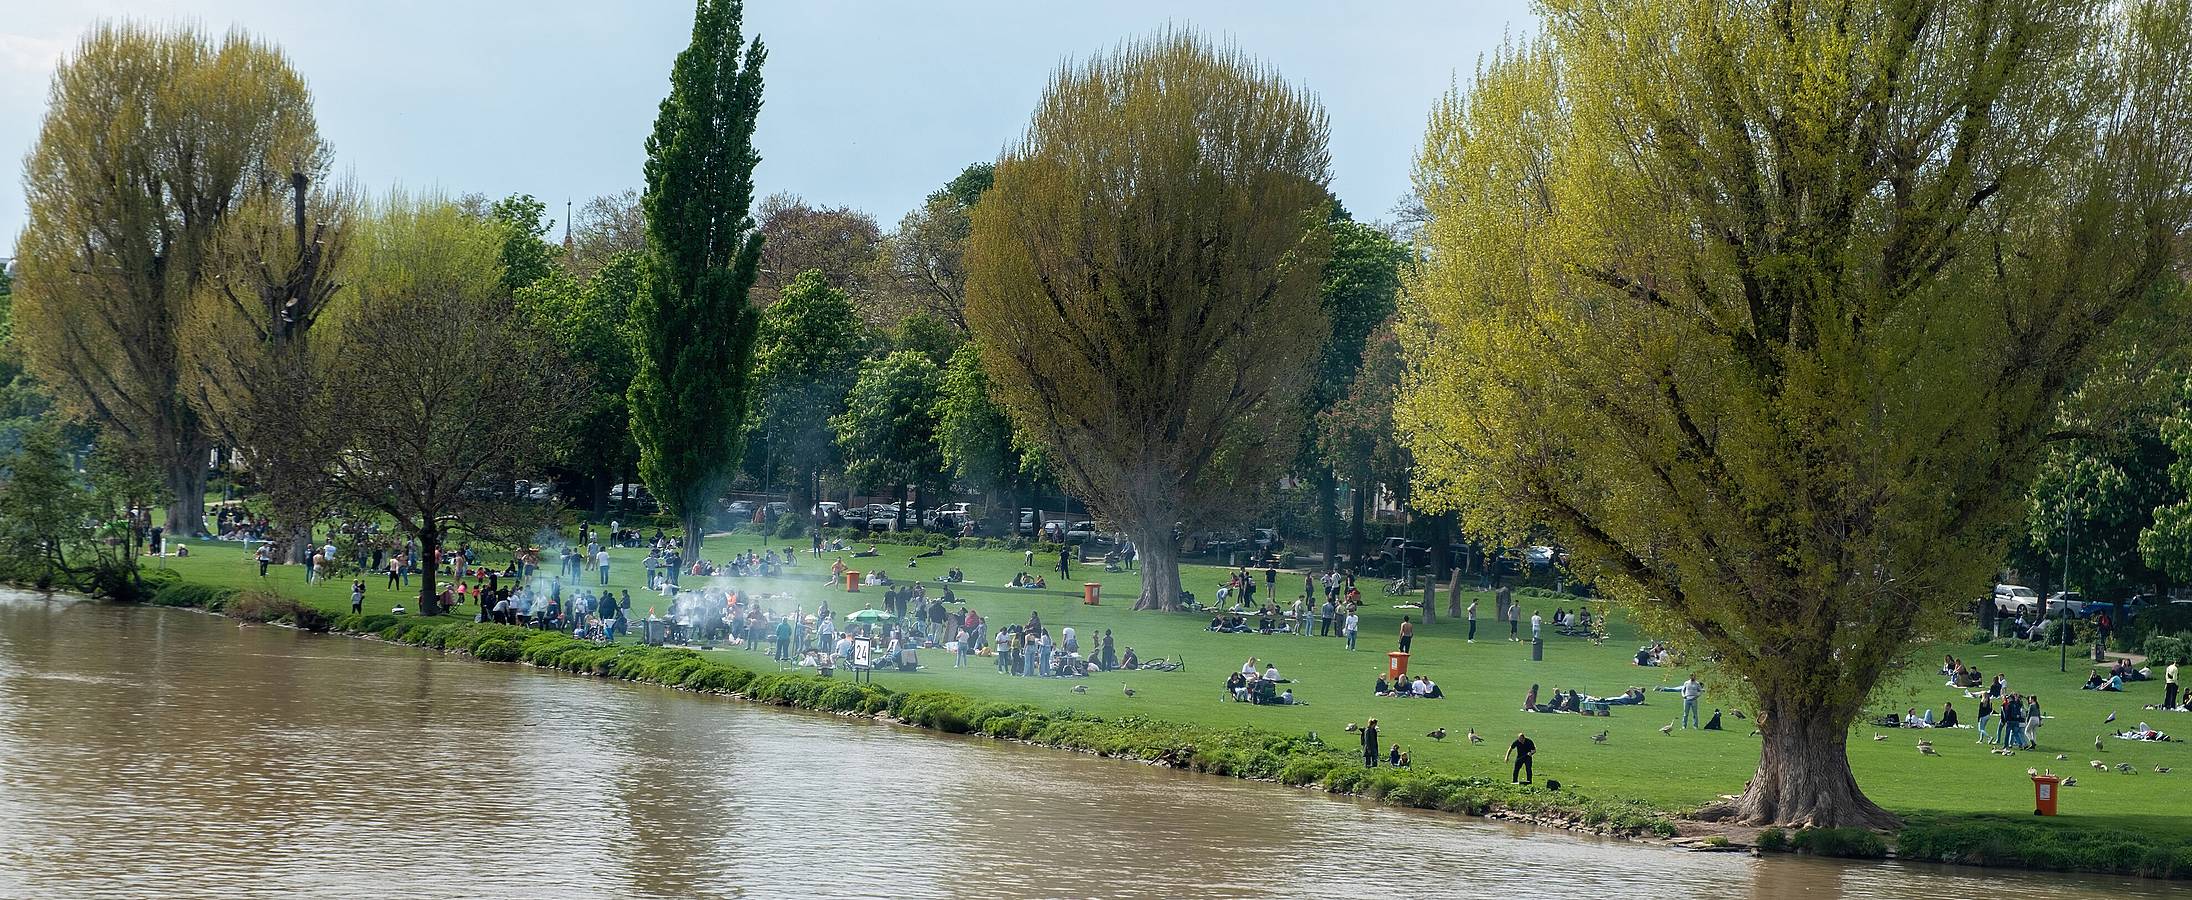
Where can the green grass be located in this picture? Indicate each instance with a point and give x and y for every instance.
(1484, 683)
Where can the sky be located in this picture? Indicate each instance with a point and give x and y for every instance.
(867, 104)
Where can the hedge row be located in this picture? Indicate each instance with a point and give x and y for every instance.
(1241, 752)
(2000, 841)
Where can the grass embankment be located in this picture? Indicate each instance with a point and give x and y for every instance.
(1960, 805)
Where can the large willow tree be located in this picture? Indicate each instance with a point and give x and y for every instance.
(1767, 309)
(153, 138)
(695, 329)
(1143, 280)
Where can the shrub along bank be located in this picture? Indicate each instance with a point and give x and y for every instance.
(1300, 760)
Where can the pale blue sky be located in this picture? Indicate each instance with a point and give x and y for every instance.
(869, 104)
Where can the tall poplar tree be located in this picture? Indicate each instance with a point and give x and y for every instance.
(695, 328)
(1768, 309)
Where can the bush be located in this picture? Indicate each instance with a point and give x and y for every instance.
(2164, 649)
(791, 526)
(1773, 840)
(1843, 843)
(1286, 559)
(2000, 841)
(191, 596)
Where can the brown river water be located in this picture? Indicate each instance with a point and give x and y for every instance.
(165, 753)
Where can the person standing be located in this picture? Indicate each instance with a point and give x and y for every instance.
(1301, 616)
(1347, 630)
(601, 559)
(1536, 622)
(1370, 745)
(1472, 620)
(1065, 560)
(357, 597)
(783, 640)
(1324, 616)
(1691, 691)
(1407, 633)
(2169, 687)
(1514, 621)
(2012, 733)
(1986, 717)
(1522, 751)
(1111, 660)
(264, 556)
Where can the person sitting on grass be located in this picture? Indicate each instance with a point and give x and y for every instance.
(1271, 674)
(1529, 701)
(1948, 716)
(1128, 660)
(1286, 698)
(1236, 686)
(871, 551)
(1382, 689)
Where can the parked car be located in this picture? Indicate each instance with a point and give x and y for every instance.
(739, 510)
(1540, 556)
(536, 491)
(1267, 540)
(1082, 532)
(2011, 599)
(774, 510)
(1404, 551)
(634, 495)
(829, 513)
(1054, 531)
(2070, 603)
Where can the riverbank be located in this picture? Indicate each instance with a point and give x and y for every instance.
(1318, 759)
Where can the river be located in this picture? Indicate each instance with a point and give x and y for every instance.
(166, 753)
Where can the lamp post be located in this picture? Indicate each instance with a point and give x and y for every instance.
(2062, 664)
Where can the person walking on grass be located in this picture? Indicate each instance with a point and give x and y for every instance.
(1472, 620)
(1347, 629)
(1370, 745)
(601, 559)
(1514, 621)
(1691, 691)
(1986, 719)
(1537, 622)
(1522, 751)
(264, 556)
(1407, 633)
(357, 597)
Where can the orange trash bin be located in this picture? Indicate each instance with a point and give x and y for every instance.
(1090, 591)
(852, 581)
(2045, 788)
(1396, 665)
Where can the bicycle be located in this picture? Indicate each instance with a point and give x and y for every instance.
(1160, 664)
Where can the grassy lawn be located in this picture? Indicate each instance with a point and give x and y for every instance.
(1484, 683)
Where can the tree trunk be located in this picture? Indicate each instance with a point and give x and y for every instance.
(695, 529)
(1430, 600)
(599, 502)
(1160, 560)
(1453, 597)
(300, 545)
(429, 567)
(898, 495)
(1328, 512)
(1803, 776)
(186, 482)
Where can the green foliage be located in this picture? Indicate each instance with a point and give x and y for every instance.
(2167, 543)
(2164, 649)
(805, 363)
(695, 329)
(2061, 847)
(1773, 840)
(1842, 843)
(1689, 353)
(267, 606)
(1143, 282)
(591, 321)
(45, 511)
(191, 595)
(526, 258)
(887, 432)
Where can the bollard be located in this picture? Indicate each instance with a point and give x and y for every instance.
(1537, 649)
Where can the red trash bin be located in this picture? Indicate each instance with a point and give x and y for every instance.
(852, 581)
(2044, 791)
(1090, 591)
(1396, 665)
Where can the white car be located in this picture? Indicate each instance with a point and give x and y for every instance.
(2011, 599)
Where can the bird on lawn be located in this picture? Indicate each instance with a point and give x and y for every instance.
(1437, 734)
(1667, 728)
(2163, 770)
(1926, 748)
(1350, 727)
(1475, 738)
(1599, 738)
(2126, 769)
(2062, 756)
(2096, 742)
(2097, 764)
(1878, 736)
(1080, 689)
(1129, 691)
(2111, 717)
(2070, 782)
(1737, 713)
